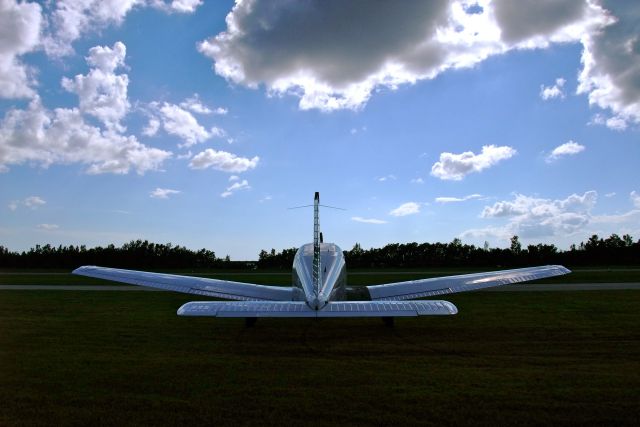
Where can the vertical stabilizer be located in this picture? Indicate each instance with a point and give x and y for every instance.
(317, 281)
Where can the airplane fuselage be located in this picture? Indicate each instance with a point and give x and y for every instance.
(332, 280)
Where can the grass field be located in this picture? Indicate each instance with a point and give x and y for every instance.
(105, 358)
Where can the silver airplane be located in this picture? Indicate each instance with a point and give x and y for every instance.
(320, 288)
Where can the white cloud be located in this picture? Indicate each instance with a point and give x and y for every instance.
(335, 54)
(417, 181)
(179, 121)
(162, 193)
(34, 202)
(610, 194)
(236, 186)
(387, 178)
(185, 6)
(615, 122)
(532, 217)
(20, 25)
(368, 220)
(71, 19)
(152, 127)
(102, 93)
(567, 149)
(222, 161)
(234, 178)
(635, 199)
(40, 136)
(610, 75)
(48, 227)
(457, 199)
(555, 91)
(266, 198)
(409, 208)
(31, 202)
(457, 166)
(194, 104)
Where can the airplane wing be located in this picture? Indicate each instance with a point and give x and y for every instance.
(462, 283)
(332, 309)
(191, 285)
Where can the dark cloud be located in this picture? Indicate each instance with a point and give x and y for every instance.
(522, 19)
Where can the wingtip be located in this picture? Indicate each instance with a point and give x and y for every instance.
(82, 269)
(452, 308)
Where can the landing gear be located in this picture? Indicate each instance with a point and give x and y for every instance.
(388, 321)
(249, 322)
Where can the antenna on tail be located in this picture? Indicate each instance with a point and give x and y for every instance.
(317, 280)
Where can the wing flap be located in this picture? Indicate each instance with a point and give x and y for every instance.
(462, 283)
(191, 285)
(332, 309)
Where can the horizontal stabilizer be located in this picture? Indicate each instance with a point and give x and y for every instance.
(190, 285)
(332, 309)
(462, 283)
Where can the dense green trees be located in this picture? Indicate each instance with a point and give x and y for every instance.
(614, 250)
(135, 254)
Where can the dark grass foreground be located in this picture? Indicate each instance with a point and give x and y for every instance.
(109, 358)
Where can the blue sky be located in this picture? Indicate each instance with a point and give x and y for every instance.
(200, 123)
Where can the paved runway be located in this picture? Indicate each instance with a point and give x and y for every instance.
(529, 287)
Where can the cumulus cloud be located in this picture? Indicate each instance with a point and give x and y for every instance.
(194, 104)
(31, 202)
(409, 208)
(532, 217)
(179, 6)
(44, 137)
(555, 91)
(152, 127)
(635, 199)
(334, 54)
(178, 120)
(236, 186)
(70, 19)
(614, 123)
(367, 220)
(458, 199)
(102, 93)
(456, 166)
(162, 193)
(20, 25)
(222, 161)
(387, 178)
(181, 123)
(48, 227)
(610, 75)
(567, 149)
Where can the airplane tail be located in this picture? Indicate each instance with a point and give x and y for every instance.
(317, 237)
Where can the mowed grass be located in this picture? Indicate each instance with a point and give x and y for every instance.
(355, 278)
(111, 358)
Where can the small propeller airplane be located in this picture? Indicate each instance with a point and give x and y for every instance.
(319, 288)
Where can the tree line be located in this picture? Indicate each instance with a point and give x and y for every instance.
(613, 250)
(135, 254)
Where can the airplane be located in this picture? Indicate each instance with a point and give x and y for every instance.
(319, 288)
